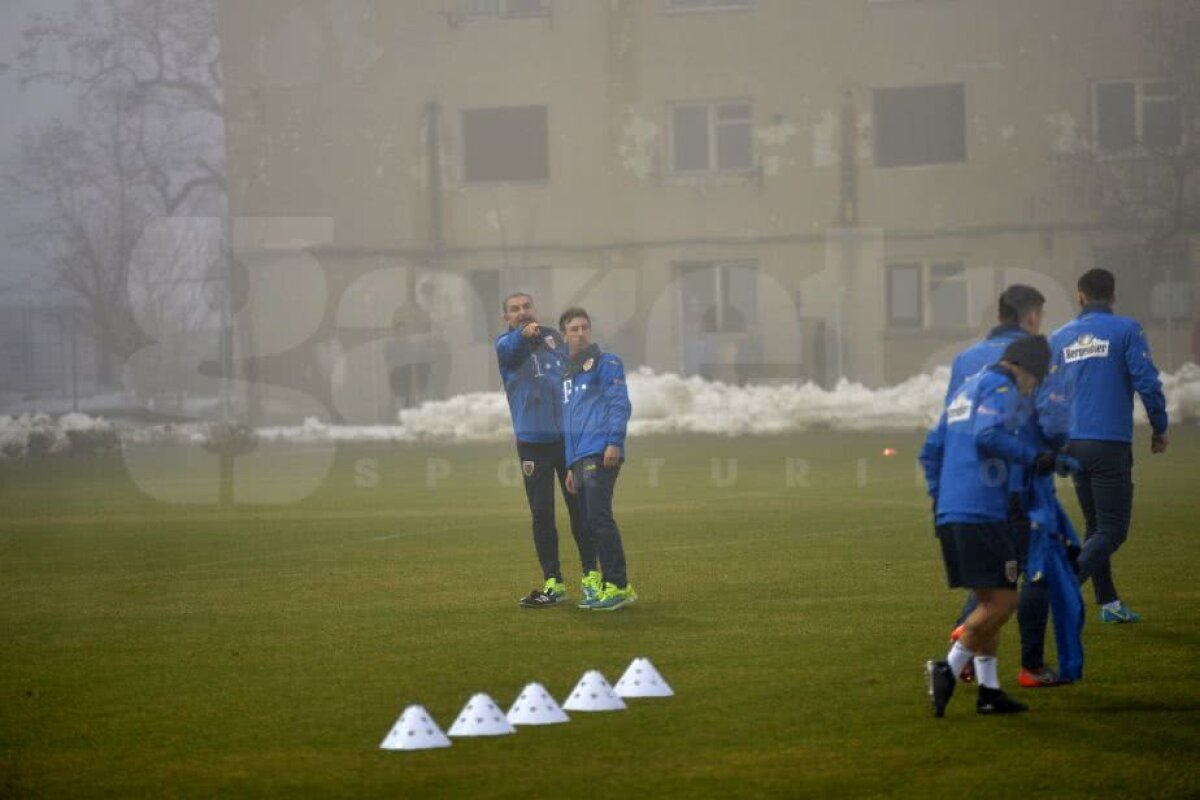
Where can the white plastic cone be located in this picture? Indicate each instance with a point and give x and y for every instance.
(593, 693)
(415, 730)
(535, 706)
(641, 679)
(481, 717)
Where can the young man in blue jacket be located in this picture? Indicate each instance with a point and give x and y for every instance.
(532, 359)
(1019, 312)
(968, 459)
(1100, 360)
(595, 416)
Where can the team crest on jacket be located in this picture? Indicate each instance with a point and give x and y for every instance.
(1010, 571)
(587, 365)
(527, 468)
(1086, 346)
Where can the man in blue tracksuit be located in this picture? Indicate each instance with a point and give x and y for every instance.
(532, 359)
(595, 416)
(1100, 360)
(969, 458)
(1019, 312)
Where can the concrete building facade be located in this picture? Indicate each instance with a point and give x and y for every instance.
(751, 190)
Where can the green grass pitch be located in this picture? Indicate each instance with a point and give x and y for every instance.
(158, 650)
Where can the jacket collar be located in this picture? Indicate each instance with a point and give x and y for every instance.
(1004, 329)
(1096, 308)
(584, 359)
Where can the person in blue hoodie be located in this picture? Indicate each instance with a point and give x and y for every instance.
(1100, 360)
(968, 459)
(595, 416)
(532, 358)
(1020, 310)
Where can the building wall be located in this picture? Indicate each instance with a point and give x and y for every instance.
(352, 112)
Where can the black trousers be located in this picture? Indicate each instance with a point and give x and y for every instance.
(541, 464)
(594, 487)
(1105, 491)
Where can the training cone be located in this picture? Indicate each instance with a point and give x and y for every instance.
(481, 717)
(415, 730)
(593, 693)
(535, 706)
(641, 679)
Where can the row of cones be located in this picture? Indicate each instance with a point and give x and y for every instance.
(417, 730)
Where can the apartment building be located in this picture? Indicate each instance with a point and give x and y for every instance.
(750, 190)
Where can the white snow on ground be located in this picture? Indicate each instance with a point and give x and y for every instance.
(662, 403)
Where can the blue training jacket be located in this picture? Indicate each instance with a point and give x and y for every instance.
(532, 371)
(1099, 360)
(969, 454)
(596, 406)
(982, 354)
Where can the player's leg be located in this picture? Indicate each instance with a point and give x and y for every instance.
(537, 467)
(1114, 502)
(1033, 619)
(600, 484)
(579, 531)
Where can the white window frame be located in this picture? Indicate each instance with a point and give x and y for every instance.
(1140, 98)
(925, 267)
(714, 124)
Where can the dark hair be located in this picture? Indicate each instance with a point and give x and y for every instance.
(1017, 300)
(1030, 353)
(1098, 285)
(570, 314)
(504, 302)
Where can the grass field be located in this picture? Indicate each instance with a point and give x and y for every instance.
(158, 650)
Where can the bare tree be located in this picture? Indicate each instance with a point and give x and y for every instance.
(145, 144)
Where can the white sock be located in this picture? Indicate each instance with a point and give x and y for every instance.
(957, 658)
(1115, 605)
(986, 672)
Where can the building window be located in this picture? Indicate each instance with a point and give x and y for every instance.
(706, 5)
(505, 144)
(502, 9)
(718, 309)
(929, 295)
(1149, 287)
(920, 125)
(1136, 115)
(711, 137)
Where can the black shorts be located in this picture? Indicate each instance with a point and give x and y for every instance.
(984, 555)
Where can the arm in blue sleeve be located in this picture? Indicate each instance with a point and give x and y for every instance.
(1145, 378)
(1053, 412)
(512, 348)
(993, 437)
(931, 455)
(611, 374)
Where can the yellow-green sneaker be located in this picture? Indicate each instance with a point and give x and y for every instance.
(611, 598)
(593, 583)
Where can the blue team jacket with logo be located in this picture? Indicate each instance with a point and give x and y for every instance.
(969, 455)
(1100, 359)
(982, 354)
(595, 402)
(532, 371)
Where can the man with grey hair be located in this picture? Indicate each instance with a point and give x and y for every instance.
(532, 358)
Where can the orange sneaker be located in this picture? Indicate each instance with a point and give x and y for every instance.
(1040, 678)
